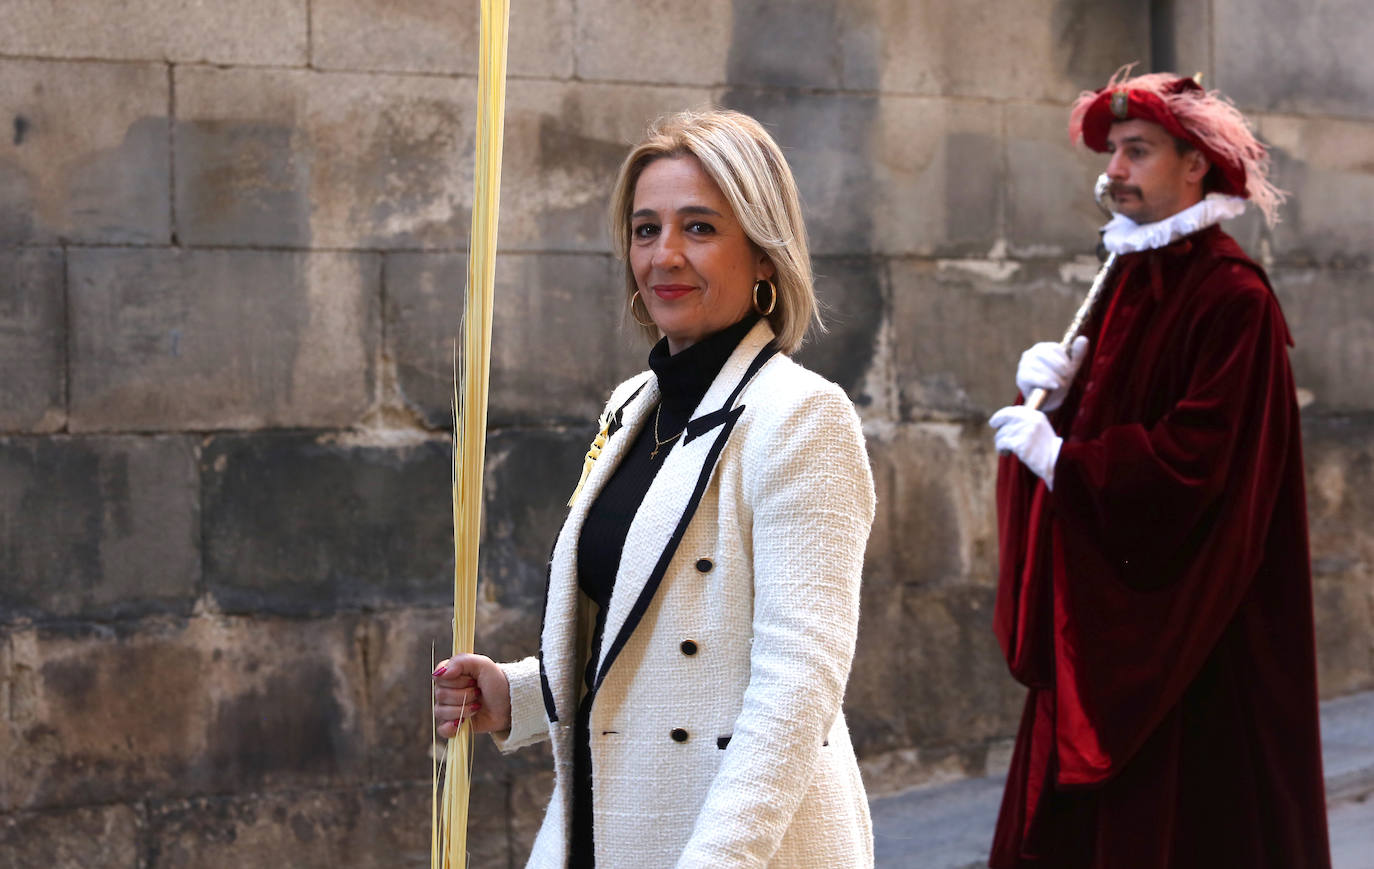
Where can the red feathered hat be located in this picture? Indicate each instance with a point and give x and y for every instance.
(1204, 119)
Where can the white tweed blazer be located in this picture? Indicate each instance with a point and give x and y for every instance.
(716, 732)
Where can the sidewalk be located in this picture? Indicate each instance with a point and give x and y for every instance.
(950, 826)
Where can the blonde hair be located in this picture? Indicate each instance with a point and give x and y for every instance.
(750, 170)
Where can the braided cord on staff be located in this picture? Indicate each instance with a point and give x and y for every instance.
(449, 810)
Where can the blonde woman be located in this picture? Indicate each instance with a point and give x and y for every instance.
(703, 595)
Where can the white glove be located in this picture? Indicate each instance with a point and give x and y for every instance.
(1029, 435)
(1046, 366)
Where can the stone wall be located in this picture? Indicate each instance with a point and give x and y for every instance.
(232, 245)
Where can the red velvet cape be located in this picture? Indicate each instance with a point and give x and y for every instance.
(1158, 602)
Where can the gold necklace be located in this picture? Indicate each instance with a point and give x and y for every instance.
(658, 444)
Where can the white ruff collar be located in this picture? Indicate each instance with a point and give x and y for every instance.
(1123, 235)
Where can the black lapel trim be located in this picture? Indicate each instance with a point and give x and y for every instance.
(768, 352)
(616, 421)
(550, 709)
(702, 424)
(646, 594)
(728, 416)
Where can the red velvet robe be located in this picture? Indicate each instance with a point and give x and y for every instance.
(1158, 602)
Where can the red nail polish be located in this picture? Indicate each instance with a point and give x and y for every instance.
(441, 671)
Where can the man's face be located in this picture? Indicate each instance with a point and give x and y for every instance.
(1150, 179)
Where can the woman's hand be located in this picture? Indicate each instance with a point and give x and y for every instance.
(470, 687)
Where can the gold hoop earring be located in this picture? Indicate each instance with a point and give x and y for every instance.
(772, 297)
(636, 298)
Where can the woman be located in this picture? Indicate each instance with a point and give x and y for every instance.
(703, 595)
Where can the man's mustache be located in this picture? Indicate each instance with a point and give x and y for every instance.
(1117, 189)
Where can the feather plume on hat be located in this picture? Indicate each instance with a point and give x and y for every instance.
(1204, 119)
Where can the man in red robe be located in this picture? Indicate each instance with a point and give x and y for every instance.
(1154, 587)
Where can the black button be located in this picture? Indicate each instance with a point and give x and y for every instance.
(689, 647)
(679, 735)
(704, 565)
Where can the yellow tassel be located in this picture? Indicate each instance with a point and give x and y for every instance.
(593, 453)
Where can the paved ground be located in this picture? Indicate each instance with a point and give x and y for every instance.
(950, 826)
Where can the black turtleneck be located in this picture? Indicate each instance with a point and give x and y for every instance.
(683, 379)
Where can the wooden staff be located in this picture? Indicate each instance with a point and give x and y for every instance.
(1100, 193)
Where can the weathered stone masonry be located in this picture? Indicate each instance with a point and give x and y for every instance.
(232, 245)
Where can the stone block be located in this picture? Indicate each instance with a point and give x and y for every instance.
(372, 828)
(1050, 207)
(377, 519)
(785, 44)
(936, 522)
(246, 31)
(530, 474)
(559, 342)
(1340, 508)
(171, 709)
(959, 327)
(851, 292)
(1331, 317)
(490, 842)
(1277, 56)
(33, 354)
(300, 524)
(655, 43)
(891, 175)
(1253, 234)
(216, 339)
(960, 690)
(872, 702)
(398, 649)
(93, 836)
(285, 158)
(1045, 49)
(87, 159)
(1181, 39)
(564, 143)
(437, 37)
(1344, 622)
(1325, 165)
(935, 698)
(925, 624)
(98, 527)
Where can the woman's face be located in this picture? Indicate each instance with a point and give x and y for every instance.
(693, 264)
